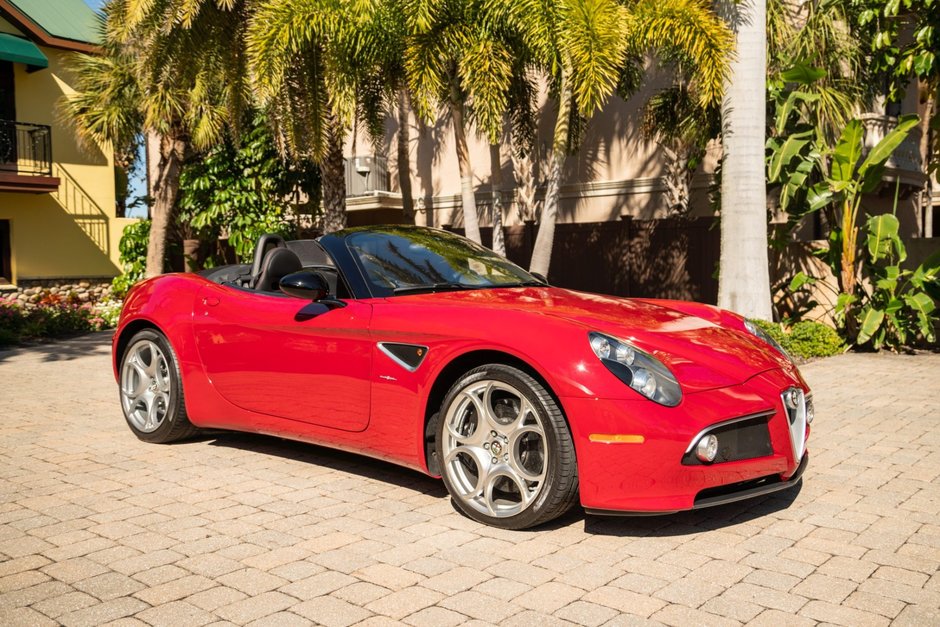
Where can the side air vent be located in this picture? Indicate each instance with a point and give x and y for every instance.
(408, 356)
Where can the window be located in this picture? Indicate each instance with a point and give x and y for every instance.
(6, 273)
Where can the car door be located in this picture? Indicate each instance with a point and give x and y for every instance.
(287, 357)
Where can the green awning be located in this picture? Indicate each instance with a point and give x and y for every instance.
(19, 50)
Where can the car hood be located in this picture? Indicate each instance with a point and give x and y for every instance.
(703, 355)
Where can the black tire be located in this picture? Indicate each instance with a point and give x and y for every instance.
(552, 495)
(168, 422)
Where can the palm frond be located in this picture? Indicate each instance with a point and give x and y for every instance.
(690, 32)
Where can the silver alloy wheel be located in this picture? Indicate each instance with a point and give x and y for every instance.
(495, 451)
(145, 386)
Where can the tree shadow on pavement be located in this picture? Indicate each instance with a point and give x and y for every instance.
(98, 343)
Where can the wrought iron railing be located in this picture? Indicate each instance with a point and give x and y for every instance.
(25, 148)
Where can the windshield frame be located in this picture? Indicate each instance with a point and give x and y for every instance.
(378, 290)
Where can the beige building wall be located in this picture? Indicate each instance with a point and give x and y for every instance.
(72, 232)
(615, 173)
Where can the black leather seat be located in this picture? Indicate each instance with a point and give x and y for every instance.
(266, 243)
(277, 263)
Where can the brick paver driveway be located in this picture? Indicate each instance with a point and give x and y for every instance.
(96, 526)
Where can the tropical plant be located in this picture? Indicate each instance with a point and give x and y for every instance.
(794, 149)
(848, 179)
(175, 68)
(683, 129)
(458, 58)
(591, 49)
(132, 249)
(816, 34)
(903, 38)
(894, 306)
(318, 67)
(241, 191)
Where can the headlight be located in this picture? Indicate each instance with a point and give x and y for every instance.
(759, 332)
(641, 371)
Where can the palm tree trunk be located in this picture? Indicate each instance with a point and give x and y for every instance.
(174, 148)
(404, 158)
(542, 251)
(496, 189)
(744, 280)
(471, 222)
(333, 170)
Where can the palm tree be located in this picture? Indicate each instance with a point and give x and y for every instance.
(164, 80)
(744, 280)
(318, 66)
(592, 48)
(456, 61)
(403, 106)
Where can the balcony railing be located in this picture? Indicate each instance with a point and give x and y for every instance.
(25, 149)
(366, 174)
(905, 162)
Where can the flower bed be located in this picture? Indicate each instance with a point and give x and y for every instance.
(53, 315)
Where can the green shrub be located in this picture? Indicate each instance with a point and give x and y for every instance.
(814, 339)
(133, 249)
(805, 339)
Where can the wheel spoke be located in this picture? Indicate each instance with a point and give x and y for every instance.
(525, 494)
(489, 487)
(138, 366)
(133, 386)
(146, 411)
(150, 366)
(515, 460)
(454, 423)
(483, 466)
(162, 377)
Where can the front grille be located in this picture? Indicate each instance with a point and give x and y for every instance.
(741, 439)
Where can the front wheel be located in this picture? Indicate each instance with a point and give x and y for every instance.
(507, 455)
(152, 390)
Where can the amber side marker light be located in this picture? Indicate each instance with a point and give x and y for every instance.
(616, 438)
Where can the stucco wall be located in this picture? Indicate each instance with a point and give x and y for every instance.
(72, 232)
(615, 173)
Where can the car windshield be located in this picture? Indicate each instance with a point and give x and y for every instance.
(415, 260)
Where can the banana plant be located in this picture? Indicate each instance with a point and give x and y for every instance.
(794, 149)
(896, 306)
(849, 178)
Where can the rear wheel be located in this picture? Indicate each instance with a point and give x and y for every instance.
(506, 452)
(152, 390)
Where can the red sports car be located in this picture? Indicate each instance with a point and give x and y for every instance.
(422, 348)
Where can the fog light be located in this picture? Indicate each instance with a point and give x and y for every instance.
(707, 448)
(810, 410)
(792, 397)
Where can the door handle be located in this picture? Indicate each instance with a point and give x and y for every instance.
(210, 301)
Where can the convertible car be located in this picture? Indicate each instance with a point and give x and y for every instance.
(419, 347)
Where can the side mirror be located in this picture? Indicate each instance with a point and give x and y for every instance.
(306, 285)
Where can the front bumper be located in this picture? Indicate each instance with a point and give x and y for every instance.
(646, 474)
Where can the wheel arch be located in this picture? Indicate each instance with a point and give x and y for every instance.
(448, 376)
(129, 331)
